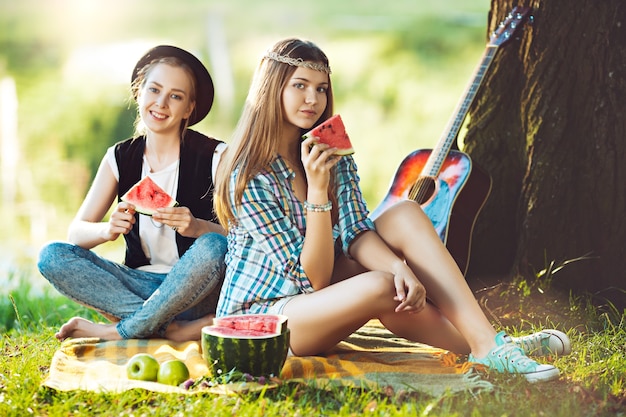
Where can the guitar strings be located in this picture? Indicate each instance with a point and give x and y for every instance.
(420, 189)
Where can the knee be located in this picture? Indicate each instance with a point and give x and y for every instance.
(213, 241)
(408, 209)
(406, 216)
(211, 245)
(51, 258)
(379, 285)
(51, 252)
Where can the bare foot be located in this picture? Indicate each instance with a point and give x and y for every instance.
(184, 331)
(80, 327)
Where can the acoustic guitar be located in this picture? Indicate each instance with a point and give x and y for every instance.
(449, 188)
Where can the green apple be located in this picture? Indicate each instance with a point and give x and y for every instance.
(173, 372)
(142, 366)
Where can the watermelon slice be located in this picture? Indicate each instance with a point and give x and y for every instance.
(147, 197)
(333, 133)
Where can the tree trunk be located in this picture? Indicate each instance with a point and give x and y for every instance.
(549, 125)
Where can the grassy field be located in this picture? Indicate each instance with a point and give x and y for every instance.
(592, 384)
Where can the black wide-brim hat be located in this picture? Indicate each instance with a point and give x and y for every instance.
(204, 83)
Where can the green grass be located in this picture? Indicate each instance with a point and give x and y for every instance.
(593, 376)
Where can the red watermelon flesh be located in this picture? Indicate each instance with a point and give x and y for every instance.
(147, 197)
(237, 333)
(333, 133)
(261, 323)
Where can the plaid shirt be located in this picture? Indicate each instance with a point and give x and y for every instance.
(263, 258)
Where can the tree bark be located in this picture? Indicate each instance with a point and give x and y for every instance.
(549, 125)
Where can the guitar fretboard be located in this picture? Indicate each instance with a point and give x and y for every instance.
(441, 150)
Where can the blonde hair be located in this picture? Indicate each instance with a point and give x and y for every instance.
(255, 141)
(140, 81)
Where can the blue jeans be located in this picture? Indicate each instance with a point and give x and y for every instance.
(145, 302)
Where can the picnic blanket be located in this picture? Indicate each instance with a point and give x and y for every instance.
(371, 358)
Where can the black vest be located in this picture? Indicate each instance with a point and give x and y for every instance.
(195, 185)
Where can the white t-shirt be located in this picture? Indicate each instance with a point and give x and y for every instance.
(157, 240)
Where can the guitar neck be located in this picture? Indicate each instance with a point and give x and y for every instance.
(501, 35)
(441, 150)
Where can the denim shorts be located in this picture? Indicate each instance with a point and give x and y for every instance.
(278, 306)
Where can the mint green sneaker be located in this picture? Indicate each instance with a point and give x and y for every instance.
(544, 343)
(507, 357)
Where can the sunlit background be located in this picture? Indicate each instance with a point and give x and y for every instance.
(399, 69)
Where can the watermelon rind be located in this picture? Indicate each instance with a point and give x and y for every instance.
(145, 190)
(332, 132)
(258, 356)
(271, 323)
(344, 152)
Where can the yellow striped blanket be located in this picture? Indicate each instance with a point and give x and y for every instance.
(372, 357)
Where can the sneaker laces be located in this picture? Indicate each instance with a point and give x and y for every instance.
(531, 342)
(513, 358)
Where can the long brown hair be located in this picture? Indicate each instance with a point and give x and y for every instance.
(255, 140)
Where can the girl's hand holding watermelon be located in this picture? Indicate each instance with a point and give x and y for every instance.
(182, 221)
(121, 221)
(318, 159)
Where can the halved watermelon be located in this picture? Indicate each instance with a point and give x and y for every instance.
(256, 344)
(147, 197)
(333, 133)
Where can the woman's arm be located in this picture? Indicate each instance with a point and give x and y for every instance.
(374, 254)
(87, 229)
(363, 243)
(318, 251)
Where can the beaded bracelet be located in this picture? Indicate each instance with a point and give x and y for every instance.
(318, 207)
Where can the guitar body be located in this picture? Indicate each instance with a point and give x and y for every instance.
(451, 201)
(443, 181)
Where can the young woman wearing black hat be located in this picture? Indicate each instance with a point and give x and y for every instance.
(174, 264)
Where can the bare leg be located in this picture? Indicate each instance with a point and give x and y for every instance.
(337, 311)
(80, 327)
(184, 331)
(409, 232)
(433, 328)
(453, 321)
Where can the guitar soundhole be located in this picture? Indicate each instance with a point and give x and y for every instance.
(423, 189)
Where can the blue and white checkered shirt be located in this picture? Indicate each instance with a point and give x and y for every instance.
(263, 259)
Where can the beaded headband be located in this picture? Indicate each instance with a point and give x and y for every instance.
(298, 62)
